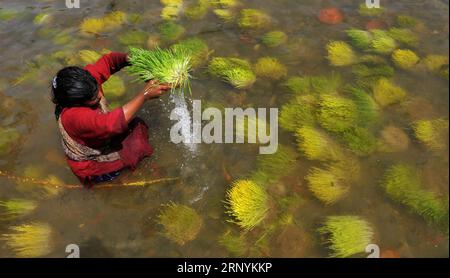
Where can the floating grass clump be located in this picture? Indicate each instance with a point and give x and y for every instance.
(432, 133)
(110, 22)
(406, 21)
(172, 9)
(198, 10)
(323, 85)
(170, 31)
(15, 208)
(347, 235)
(435, 63)
(364, 10)
(382, 43)
(386, 93)
(89, 56)
(296, 113)
(316, 145)
(405, 59)
(166, 66)
(341, 54)
(41, 19)
(237, 72)
(181, 223)
(360, 38)
(270, 68)
(235, 244)
(225, 15)
(274, 39)
(402, 183)
(253, 19)
(404, 36)
(337, 114)
(114, 88)
(248, 203)
(360, 140)
(136, 38)
(327, 186)
(8, 139)
(298, 85)
(368, 74)
(29, 240)
(368, 110)
(196, 48)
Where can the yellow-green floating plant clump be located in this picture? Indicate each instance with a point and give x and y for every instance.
(336, 113)
(136, 38)
(181, 223)
(405, 59)
(382, 42)
(170, 31)
(172, 9)
(270, 68)
(196, 48)
(364, 10)
(435, 63)
(326, 185)
(114, 88)
(42, 18)
(341, 54)
(297, 112)
(402, 183)
(29, 240)
(360, 38)
(274, 38)
(404, 36)
(406, 21)
(359, 140)
(386, 93)
(166, 66)
(237, 72)
(316, 145)
(235, 244)
(14, 208)
(8, 139)
(226, 15)
(432, 133)
(198, 10)
(368, 74)
(108, 23)
(368, 110)
(347, 235)
(254, 19)
(248, 203)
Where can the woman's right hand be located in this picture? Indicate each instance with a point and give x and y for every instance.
(153, 89)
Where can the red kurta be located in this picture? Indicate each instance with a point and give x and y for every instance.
(90, 127)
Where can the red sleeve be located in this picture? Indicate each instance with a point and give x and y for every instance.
(108, 64)
(86, 123)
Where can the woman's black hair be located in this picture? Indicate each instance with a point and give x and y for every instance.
(72, 86)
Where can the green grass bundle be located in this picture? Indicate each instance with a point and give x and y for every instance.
(110, 22)
(170, 31)
(254, 19)
(360, 140)
(405, 59)
(196, 48)
(382, 42)
(14, 208)
(402, 183)
(8, 139)
(347, 235)
(406, 21)
(274, 39)
(364, 10)
(327, 186)
(368, 110)
(29, 240)
(316, 145)
(172, 9)
(270, 68)
(337, 114)
(432, 133)
(297, 112)
(386, 93)
(341, 54)
(248, 203)
(360, 38)
(166, 66)
(404, 36)
(181, 223)
(136, 38)
(298, 85)
(326, 84)
(226, 15)
(198, 10)
(368, 74)
(235, 244)
(235, 71)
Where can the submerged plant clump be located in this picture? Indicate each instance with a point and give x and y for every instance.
(170, 31)
(404, 36)
(364, 10)
(254, 19)
(341, 54)
(403, 184)
(237, 72)
(11, 209)
(181, 223)
(270, 68)
(196, 48)
(198, 10)
(274, 38)
(382, 42)
(316, 145)
(110, 22)
(296, 113)
(326, 185)
(248, 203)
(405, 59)
(432, 133)
(235, 244)
(360, 140)
(29, 240)
(360, 38)
(172, 9)
(347, 235)
(436, 63)
(386, 93)
(337, 114)
(166, 66)
(136, 38)
(368, 110)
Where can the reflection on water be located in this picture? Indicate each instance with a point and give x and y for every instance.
(39, 38)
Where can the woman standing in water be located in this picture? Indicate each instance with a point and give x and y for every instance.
(99, 143)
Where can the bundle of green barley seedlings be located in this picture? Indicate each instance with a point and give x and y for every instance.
(164, 65)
